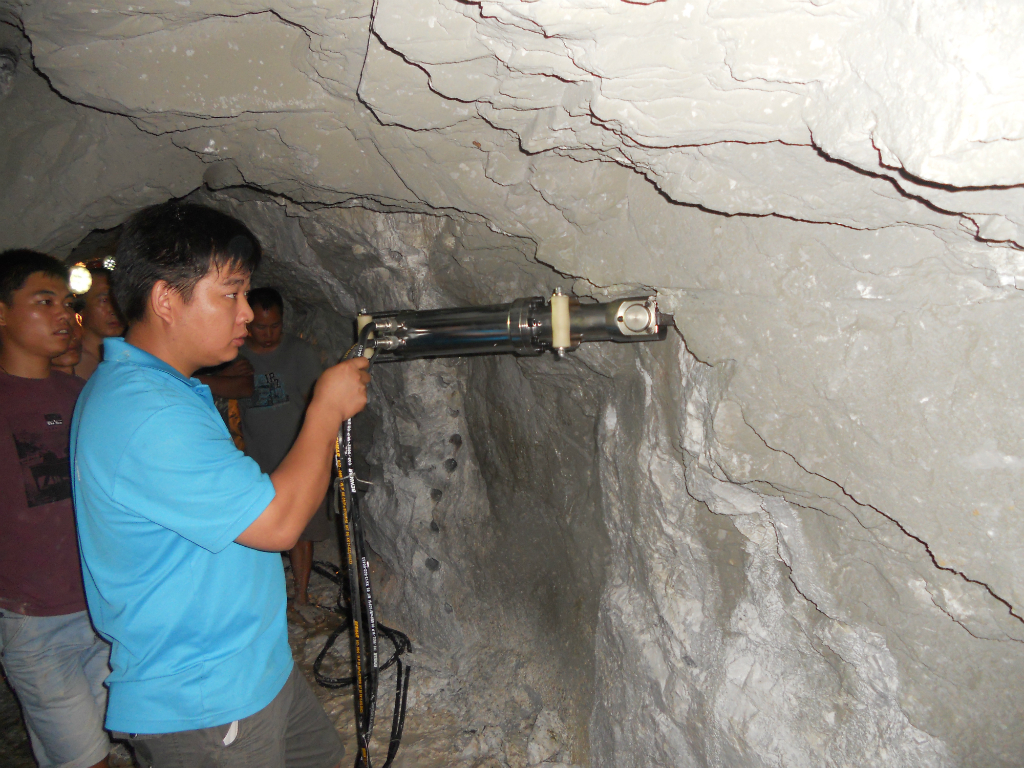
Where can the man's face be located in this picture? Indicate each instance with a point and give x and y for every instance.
(99, 316)
(73, 355)
(38, 319)
(213, 322)
(265, 329)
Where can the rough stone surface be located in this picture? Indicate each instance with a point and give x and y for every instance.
(791, 539)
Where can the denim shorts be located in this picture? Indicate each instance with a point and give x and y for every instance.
(292, 731)
(56, 666)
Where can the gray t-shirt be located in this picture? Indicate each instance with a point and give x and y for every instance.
(283, 381)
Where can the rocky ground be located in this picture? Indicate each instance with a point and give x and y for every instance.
(447, 723)
(441, 729)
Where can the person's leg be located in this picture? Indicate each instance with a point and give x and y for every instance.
(302, 563)
(256, 741)
(96, 665)
(311, 740)
(293, 731)
(44, 659)
(318, 529)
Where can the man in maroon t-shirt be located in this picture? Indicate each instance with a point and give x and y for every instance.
(51, 655)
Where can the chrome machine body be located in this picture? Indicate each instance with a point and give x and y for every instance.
(528, 326)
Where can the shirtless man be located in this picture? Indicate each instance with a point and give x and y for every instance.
(100, 320)
(67, 362)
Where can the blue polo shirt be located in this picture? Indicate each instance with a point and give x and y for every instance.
(196, 622)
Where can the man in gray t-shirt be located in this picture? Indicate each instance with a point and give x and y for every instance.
(285, 369)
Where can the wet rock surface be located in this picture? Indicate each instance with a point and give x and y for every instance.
(785, 536)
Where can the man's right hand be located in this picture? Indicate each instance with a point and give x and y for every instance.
(342, 388)
(301, 479)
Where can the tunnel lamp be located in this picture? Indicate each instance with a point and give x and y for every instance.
(79, 279)
(109, 263)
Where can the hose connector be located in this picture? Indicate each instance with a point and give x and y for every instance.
(386, 343)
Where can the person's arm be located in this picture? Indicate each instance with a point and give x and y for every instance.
(301, 480)
(228, 387)
(234, 382)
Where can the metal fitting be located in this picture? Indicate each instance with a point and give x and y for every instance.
(386, 343)
(386, 325)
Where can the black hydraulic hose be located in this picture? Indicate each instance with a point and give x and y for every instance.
(361, 615)
(355, 616)
(401, 696)
(398, 639)
(359, 578)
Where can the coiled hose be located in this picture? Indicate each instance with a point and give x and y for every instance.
(360, 613)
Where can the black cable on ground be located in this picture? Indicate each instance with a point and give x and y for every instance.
(399, 640)
(360, 613)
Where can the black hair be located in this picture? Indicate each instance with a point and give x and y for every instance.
(267, 298)
(179, 243)
(16, 266)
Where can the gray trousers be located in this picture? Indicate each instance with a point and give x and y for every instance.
(292, 731)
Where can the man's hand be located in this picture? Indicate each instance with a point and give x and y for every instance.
(238, 367)
(301, 479)
(234, 381)
(342, 388)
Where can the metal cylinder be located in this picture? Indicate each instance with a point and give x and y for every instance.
(625, 320)
(523, 327)
(490, 330)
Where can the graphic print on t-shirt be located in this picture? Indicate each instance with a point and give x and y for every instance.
(42, 445)
(267, 391)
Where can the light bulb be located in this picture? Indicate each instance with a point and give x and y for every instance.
(79, 279)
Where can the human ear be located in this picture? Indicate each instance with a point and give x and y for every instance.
(162, 301)
(3, 313)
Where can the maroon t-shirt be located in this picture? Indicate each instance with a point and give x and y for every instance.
(40, 573)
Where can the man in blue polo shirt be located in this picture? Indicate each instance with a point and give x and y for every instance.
(179, 530)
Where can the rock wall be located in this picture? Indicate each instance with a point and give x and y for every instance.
(790, 539)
